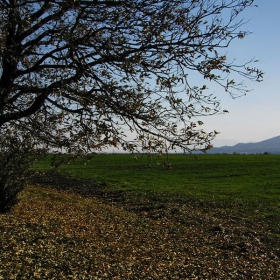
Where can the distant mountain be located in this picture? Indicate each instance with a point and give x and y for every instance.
(271, 146)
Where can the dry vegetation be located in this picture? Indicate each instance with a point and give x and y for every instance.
(53, 234)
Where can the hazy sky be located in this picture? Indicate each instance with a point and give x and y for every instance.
(256, 116)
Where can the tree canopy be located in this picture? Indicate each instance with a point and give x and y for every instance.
(84, 75)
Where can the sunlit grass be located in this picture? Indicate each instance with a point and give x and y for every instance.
(216, 216)
(246, 177)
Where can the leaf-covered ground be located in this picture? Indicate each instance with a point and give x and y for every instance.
(54, 234)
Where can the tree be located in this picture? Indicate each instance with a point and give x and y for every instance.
(15, 163)
(83, 75)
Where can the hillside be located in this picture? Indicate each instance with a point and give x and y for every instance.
(271, 146)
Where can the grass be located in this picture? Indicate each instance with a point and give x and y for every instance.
(209, 217)
(253, 179)
(248, 185)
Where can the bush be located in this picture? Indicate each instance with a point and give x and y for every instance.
(15, 162)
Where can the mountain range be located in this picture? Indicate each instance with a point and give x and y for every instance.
(271, 146)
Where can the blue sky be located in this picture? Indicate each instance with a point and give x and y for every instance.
(256, 116)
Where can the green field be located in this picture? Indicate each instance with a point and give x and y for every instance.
(240, 178)
(202, 217)
(243, 185)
